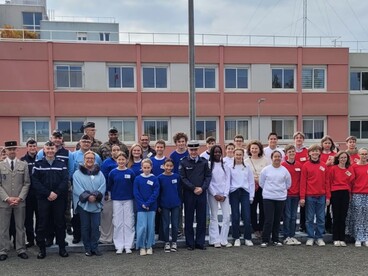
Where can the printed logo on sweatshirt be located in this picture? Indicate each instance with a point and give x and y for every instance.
(149, 182)
(322, 168)
(127, 176)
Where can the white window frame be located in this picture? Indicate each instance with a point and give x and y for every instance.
(205, 119)
(283, 119)
(325, 80)
(237, 119)
(360, 120)
(168, 120)
(23, 139)
(103, 35)
(209, 66)
(120, 66)
(121, 132)
(360, 71)
(324, 119)
(237, 89)
(155, 88)
(283, 68)
(69, 65)
(70, 120)
(82, 36)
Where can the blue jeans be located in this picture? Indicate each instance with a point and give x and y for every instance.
(90, 229)
(315, 207)
(167, 216)
(145, 229)
(240, 196)
(290, 213)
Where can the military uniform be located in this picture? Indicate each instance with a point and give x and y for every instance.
(105, 149)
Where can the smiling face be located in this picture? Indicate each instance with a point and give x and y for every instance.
(11, 153)
(298, 140)
(144, 141)
(230, 151)
(168, 167)
(122, 161)
(193, 152)
(314, 154)
(351, 144)
(276, 159)
(159, 149)
(238, 156)
(89, 160)
(49, 152)
(343, 158)
(272, 141)
(254, 150)
(217, 154)
(146, 168)
(181, 144)
(363, 154)
(115, 151)
(137, 152)
(291, 155)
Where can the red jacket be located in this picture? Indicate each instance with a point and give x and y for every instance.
(341, 179)
(295, 171)
(314, 180)
(360, 183)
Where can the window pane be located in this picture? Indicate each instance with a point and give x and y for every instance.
(200, 130)
(64, 126)
(148, 78)
(114, 77)
(199, 77)
(364, 129)
(242, 78)
(355, 128)
(277, 127)
(307, 78)
(242, 129)
(210, 78)
(128, 77)
(28, 18)
(161, 78)
(355, 81)
(289, 78)
(107, 36)
(75, 76)
(150, 129)
(42, 131)
(62, 76)
(76, 131)
(288, 129)
(230, 129)
(28, 130)
(118, 126)
(318, 129)
(319, 78)
(276, 78)
(37, 18)
(308, 129)
(129, 131)
(210, 128)
(162, 130)
(230, 78)
(365, 81)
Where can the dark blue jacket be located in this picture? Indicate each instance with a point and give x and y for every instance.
(50, 178)
(195, 173)
(31, 162)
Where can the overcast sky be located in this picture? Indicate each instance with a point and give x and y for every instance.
(347, 19)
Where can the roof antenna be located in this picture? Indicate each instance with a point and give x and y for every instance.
(305, 20)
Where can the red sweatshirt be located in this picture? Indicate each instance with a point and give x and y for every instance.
(302, 156)
(360, 183)
(314, 180)
(324, 156)
(295, 172)
(341, 179)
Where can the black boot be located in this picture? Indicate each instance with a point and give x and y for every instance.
(42, 253)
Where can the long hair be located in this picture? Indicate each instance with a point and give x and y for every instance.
(242, 150)
(212, 159)
(328, 138)
(337, 156)
(131, 159)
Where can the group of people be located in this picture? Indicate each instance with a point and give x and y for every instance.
(125, 196)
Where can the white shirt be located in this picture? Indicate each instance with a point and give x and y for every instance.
(220, 180)
(268, 151)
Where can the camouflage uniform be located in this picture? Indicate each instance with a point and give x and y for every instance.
(105, 149)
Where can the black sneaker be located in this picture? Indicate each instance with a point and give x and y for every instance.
(97, 252)
(63, 253)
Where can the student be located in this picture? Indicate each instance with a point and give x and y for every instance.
(210, 142)
(159, 159)
(239, 142)
(241, 193)
(341, 176)
(120, 186)
(218, 193)
(352, 150)
(256, 162)
(292, 200)
(146, 190)
(274, 180)
(314, 194)
(272, 146)
(135, 159)
(181, 151)
(357, 220)
(169, 202)
(229, 158)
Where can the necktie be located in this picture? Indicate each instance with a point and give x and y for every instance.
(12, 165)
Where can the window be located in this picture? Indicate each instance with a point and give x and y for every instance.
(104, 36)
(72, 130)
(359, 81)
(205, 128)
(314, 78)
(236, 78)
(284, 128)
(121, 77)
(236, 126)
(68, 76)
(81, 36)
(205, 77)
(314, 128)
(282, 78)
(359, 128)
(154, 77)
(156, 129)
(36, 129)
(126, 129)
(32, 20)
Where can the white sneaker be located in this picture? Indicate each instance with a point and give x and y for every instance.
(149, 251)
(309, 242)
(143, 252)
(167, 247)
(119, 251)
(228, 245)
(248, 243)
(217, 245)
(336, 243)
(288, 241)
(320, 242)
(128, 251)
(342, 243)
(295, 241)
(174, 247)
(237, 242)
(264, 244)
(366, 243)
(358, 244)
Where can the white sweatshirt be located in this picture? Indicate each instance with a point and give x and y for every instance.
(275, 182)
(220, 180)
(242, 177)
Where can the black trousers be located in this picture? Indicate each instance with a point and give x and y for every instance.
(55, 209)
(257, 222)
(272, 210)
(31, 212)
(340, 205)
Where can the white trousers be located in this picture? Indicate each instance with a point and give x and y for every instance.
(217, 236)
(123, 220)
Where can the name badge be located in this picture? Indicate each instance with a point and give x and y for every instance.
(322, 168)
(92, 177)
(303, 159)
(174, 181)
(297, 169)
(149, 182)
(348, 173)
(162, 167)
(149, 154)
(127, 176)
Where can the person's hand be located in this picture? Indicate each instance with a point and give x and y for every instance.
(52, 196)
(92, 198)
(327, 202)
(12, 201)
(198, 190)
(218, 198)
(145, 207)
(107, 197)
(302, 202)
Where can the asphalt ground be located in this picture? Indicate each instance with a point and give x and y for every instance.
(286, 260)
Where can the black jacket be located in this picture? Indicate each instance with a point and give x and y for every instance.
(195, 173)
